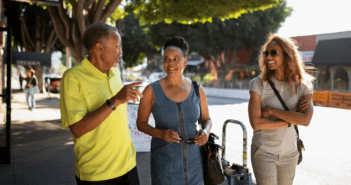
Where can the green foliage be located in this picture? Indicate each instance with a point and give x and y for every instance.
(136, 44)
(248, 30)
(63, 60)
(192, 11)
(206, 79)
(63, 69)
(212, 39)
(197, 78)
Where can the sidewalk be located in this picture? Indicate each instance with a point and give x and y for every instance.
(42, 152)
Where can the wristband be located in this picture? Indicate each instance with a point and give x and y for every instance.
(110, 104)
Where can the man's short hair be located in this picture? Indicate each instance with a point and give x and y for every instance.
(95, 32)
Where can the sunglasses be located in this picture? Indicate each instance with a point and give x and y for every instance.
(187, 141)
(273, 53)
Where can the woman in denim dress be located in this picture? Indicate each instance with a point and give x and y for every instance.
(175, 145)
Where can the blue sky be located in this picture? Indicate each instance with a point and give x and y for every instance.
(310, 17)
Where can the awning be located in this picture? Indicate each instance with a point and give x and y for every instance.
(30, 58)
(194, 62)
(335, 52)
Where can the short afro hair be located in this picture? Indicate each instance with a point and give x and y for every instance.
(178, 42)
(95, 32)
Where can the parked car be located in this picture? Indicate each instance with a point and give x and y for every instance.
(54, 81)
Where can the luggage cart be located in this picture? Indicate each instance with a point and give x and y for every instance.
(235, 173)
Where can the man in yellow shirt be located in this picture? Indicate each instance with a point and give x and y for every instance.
(93, 103)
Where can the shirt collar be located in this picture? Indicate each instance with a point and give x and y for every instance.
(95, 71)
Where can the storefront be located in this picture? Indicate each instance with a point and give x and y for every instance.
(332, 60)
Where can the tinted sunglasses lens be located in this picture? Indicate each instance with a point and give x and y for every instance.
(273, 53)
(190, 141)
(266, 53)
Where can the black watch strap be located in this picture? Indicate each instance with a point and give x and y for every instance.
(110, 104)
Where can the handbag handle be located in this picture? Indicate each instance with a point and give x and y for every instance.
(283, 103)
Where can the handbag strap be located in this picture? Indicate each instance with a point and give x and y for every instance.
(196, 87)
(283, 103)
(201, 121)
(30, 81)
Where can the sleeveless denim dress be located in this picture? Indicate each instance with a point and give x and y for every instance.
(175, 163)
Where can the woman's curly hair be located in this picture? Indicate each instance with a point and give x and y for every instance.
(178, 42)
(294, 67)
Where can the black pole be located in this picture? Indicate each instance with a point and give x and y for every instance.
(8, 96)
(5, 152)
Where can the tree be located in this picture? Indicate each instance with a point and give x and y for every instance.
(136, 42)
(219, 41)
(70, 29)
(63, 60)
(33, 32)
(192, 11)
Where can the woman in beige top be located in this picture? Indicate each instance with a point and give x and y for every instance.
(274, 153)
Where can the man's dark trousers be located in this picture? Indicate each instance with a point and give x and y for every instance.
(130, 178)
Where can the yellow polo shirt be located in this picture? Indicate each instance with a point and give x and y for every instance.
(107, 151)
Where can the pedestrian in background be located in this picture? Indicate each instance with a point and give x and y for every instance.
(31, 82)
(93, 103)
(274, 154)
(175, 147)
(21, 78)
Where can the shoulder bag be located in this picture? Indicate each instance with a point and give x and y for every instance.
(34, 89)
(300, 145)
(212, 167)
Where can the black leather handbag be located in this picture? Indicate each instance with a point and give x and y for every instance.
(212, 167)
(300, 145)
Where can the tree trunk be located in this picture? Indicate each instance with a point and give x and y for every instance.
(39, 73)
(70, 30)
(221, 79)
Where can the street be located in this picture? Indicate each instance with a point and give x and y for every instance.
(43, 152)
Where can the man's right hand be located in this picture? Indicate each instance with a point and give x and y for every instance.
(127, 93)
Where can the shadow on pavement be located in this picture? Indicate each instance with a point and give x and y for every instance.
(39, 131)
